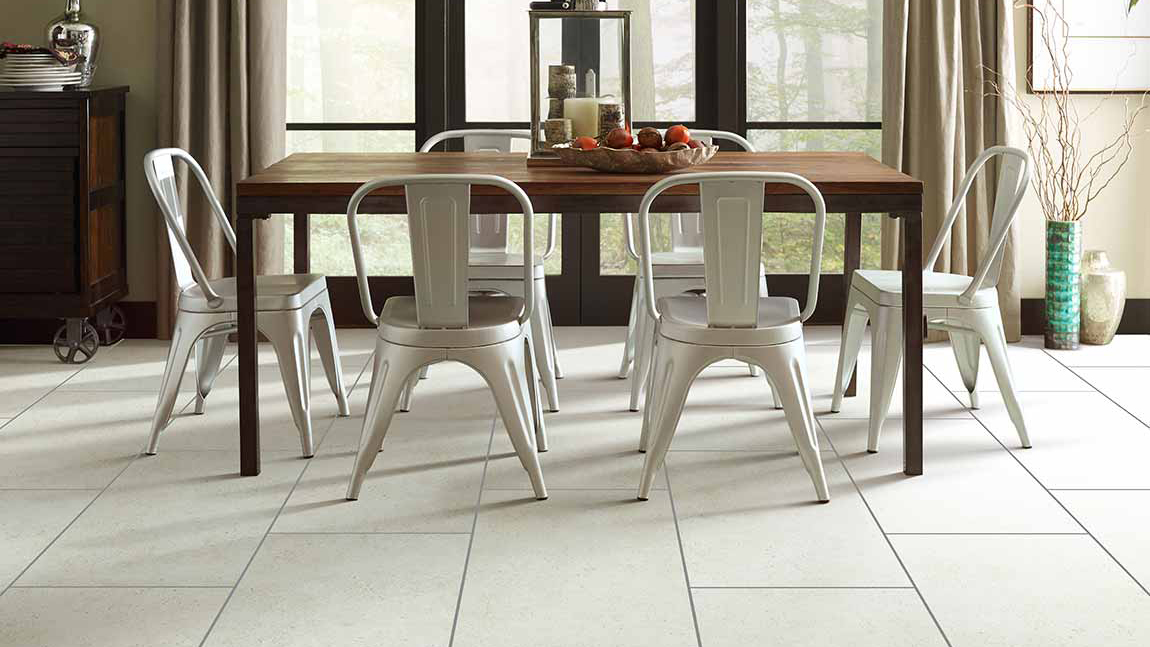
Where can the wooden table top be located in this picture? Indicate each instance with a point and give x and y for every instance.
(340, 174)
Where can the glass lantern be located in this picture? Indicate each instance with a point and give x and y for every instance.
(580, 77)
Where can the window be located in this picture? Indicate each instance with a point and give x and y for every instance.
(814, 84)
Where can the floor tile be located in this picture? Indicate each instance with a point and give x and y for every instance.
(1120, 520)
(1032, 368)
(74, 440)
(108, 617)
(427, 479)
(1125, 386)
(1080, 440)
(751, 519)
(1125, 350)
(31, 520)
(822, 362)
(1024, 590)
(971, 484)
(175, 519)
(582, 568)
(347, 590)
(815, 618)
(28, 373)
(133, 365)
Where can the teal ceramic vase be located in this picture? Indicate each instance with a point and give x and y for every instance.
(1063, 284)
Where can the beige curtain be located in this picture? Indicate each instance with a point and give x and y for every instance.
(221, 85)
(939, 114)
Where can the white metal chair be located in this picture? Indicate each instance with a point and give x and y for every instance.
(443, 322)
(733, 321)
(965, 307)
(492, 267)
(290, 309)
(678, 271)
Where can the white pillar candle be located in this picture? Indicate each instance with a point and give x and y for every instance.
(584, 116)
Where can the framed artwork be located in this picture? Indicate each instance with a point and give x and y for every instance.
(1107, 48)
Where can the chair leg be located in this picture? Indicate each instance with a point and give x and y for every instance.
(327, 344)
(550, 326)
(967, 348)
(504, 366)
(184, 337)
(209, 353)
(632, 323)
(990, 328)
(289, 335)
(886, 358)
(392, 368)
(644, 345)
(536, 397)
(409, 390)
(675, 368)
(854, 328)
(543, 345)
(653, 402)
(787, 363)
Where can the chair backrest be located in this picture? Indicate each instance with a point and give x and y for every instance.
(161, 173)
(686, 228)
(438, 211)
(1013, 182)
(732, 215)
(488, 231)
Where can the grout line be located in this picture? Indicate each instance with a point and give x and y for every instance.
(1098, 489)
(803, 588)
(985, 534)
(363, 532)
(121, 586)
(474, 524)
(50, 489)
(1103, 394)
(271, 525)
(682, 554)
(885, 536)
(1055, 498)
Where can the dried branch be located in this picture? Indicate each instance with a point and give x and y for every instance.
(1067, 178)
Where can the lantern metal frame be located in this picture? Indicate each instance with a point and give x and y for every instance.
(540, 152)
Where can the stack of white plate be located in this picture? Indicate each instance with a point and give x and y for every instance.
(36, 71)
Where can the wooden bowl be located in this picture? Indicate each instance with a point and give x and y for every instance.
(627, 160)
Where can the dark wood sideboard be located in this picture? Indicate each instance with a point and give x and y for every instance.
(62, 213)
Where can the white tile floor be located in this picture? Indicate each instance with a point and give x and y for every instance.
(993, 546)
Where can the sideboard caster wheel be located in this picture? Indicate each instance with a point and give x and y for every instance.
(76, 341)
(111, 324)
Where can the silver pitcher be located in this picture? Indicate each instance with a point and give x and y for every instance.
(70, 33)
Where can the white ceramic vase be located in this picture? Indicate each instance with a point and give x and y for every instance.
(1103, 298)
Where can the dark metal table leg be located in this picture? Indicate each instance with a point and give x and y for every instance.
(852, 256)
(912, 330)
(301, 244)
(249, 369)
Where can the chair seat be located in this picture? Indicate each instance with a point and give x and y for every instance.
(684, 318)
(273, 292)
(939, 290)
(492, 320)
(499, 266)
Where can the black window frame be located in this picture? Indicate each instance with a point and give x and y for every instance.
(720, 104)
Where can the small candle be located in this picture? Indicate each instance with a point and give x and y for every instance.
(584, 116)
(557, 131)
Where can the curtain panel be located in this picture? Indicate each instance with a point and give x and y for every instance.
(939, 113)
(221, 86)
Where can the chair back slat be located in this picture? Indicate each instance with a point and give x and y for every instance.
(160, 171)
(1011, 186)
(437, 216)
(732, 220)
(687, 228)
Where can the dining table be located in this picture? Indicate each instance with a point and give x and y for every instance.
(322, 183)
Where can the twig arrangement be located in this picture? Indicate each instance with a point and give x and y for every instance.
(1067, 177)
